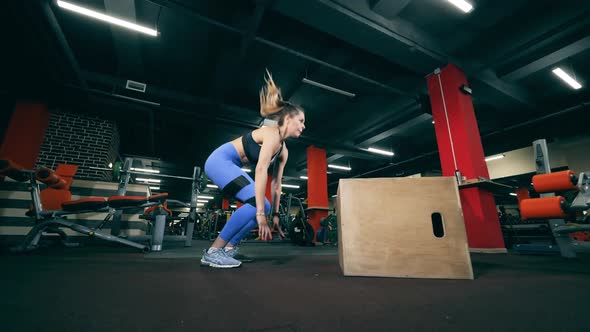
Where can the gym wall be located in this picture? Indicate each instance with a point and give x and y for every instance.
(568, 154)
(80, 140)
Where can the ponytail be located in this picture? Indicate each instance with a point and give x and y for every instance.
(271, 101)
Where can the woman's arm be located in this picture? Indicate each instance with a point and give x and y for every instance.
(277, 178)
(270, 143)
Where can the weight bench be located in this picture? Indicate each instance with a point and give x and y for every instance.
(61, 205)
(55, 219)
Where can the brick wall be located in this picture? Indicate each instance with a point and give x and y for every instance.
(80, 140)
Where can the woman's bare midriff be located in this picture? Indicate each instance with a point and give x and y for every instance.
(240, 148)
(257, 135)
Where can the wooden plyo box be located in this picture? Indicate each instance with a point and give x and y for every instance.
(385, 228)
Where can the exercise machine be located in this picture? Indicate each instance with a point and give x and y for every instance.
(555, 208)
(59, 205)
(159, 216)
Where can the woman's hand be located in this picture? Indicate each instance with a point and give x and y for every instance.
(263, 230)
(276, 223)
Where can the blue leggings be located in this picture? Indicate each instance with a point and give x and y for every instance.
(224, 166)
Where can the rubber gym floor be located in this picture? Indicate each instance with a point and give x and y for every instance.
(288, 288)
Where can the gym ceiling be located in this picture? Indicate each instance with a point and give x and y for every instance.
(204, 69)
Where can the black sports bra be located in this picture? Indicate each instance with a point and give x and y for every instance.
(252, 149)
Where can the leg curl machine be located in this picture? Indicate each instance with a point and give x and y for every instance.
(556, 208)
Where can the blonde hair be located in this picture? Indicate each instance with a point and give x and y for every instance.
(272, 103)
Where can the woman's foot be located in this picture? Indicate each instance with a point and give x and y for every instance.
(217, 257)
(234, 252)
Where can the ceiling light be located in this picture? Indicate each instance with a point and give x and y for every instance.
(200, 204)
(462, 4)
(379, 151)
(512, 194)
(498, 156)
(344, 168)
(202, 200)
(289, 186)
(303, 177)
(233, 206)
(145, 170)
(106, 18)
(327, 87)
(334, 195)
(148, 180)
(567, 78)
(154, 188)
(212, 186)
(247, 170)
(205, 197)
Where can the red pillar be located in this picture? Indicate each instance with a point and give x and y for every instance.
(25, 134)
(225, 203)
(460, 149)
(317, 186)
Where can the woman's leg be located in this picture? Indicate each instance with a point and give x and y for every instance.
(250, 225)
(224, 168)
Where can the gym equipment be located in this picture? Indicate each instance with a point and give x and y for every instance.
(328, 233)
(402, 227)
(299, 230)
(49, 221)
(556, 208)
(159, 220)
(120, 169)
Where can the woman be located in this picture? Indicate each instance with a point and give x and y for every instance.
(265, 148)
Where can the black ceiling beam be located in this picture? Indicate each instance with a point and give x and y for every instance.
(395, 111)
(157, 94)
(220, 111)
(63, 43)
(387, 8)
(186, 9)
(399, 110)
(557, 22)
(225, 72)
(250, 33)
(408, 37)
(543, 62)
(138, 105)
(366, 141)
(127, 48)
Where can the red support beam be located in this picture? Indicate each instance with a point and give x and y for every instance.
(460, 150)
(317, 186)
